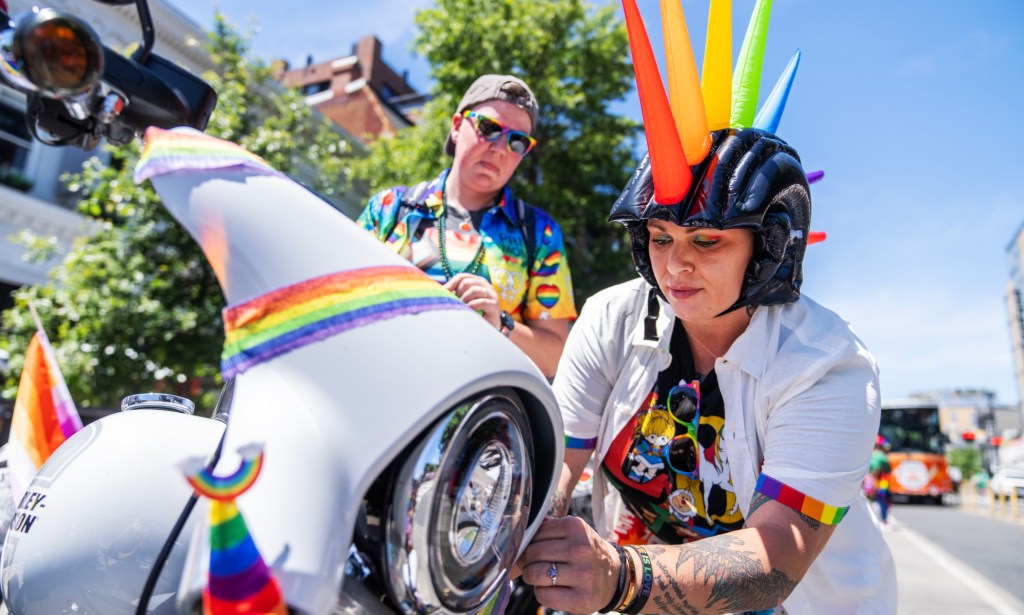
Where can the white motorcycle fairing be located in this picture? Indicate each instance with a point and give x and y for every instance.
(332, 414)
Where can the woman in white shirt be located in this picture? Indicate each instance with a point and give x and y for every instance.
(729, 420)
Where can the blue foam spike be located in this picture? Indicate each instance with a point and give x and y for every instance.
(770, 115)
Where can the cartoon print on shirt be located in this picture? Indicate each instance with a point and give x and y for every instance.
(714, 469)
(645, 459)
(680, 503)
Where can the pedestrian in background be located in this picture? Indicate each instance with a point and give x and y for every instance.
(878, 478)
(501, 256)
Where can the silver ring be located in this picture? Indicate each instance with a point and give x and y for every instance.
(553, 573)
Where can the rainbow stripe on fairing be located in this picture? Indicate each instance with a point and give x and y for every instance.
(226, 488)
(294, 316)
(187, 149)
(579, 443)
(800, 502)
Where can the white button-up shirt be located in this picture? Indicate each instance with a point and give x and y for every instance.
(801, 405)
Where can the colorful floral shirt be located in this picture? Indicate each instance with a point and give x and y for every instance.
(527, 291)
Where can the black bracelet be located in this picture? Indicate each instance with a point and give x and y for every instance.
(621, 588)
(646, 582)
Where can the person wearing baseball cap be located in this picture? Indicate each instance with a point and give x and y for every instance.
(502, 257)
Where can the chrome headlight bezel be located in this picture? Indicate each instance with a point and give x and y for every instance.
(38, 54)
(459, 506)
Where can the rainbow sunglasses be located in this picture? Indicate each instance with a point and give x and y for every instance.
(683, 453)
(519, 143)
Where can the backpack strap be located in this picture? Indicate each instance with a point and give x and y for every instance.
(410, 198)
(528, 227)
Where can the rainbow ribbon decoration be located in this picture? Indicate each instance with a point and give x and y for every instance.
(239, 580)
(187, 149)
(800, 502)
(294, 316)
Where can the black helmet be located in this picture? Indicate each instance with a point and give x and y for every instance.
(750, 179)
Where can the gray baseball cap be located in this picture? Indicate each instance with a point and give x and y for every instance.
(497, 87)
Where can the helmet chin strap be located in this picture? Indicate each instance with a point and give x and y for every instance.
(651, 320)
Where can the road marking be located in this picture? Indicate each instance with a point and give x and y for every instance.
(996, 597)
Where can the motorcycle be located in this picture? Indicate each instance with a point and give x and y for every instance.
(372, 488)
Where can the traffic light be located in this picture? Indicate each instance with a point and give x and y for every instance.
(968, 436)
(996, 440)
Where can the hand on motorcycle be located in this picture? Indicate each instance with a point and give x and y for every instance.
(479, 294)
(586, 567)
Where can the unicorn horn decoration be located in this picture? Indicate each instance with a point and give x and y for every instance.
(239, 580)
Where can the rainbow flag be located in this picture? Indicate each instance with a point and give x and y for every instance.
(44, 415)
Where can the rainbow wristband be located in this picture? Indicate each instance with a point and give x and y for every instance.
(800, 502)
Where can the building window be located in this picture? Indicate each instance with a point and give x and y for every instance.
(315, 88)
(15, 141)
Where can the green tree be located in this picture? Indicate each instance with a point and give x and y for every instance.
(135, 306)
(967, 459)
(575, 58)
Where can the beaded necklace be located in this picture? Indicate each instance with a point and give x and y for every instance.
(478, 258)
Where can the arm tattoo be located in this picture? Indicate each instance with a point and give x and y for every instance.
(559, 505)
(810, 521)
(759, 499)
(672, 599)
(735, 579)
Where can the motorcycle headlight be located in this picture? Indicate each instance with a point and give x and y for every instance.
(51, 52)
(459, 507)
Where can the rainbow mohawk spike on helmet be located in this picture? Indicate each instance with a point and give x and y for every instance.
(746, 81)
(668, 162)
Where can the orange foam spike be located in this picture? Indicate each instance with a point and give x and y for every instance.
(684, 93)
(671, 174)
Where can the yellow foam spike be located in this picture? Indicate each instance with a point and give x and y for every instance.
(716, 75)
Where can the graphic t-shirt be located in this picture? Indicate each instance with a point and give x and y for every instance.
(671, 505)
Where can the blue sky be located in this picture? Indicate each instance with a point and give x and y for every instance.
(912, 108)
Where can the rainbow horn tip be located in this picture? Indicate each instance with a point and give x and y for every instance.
(226, 488)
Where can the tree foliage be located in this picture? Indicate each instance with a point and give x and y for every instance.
(575, 58)
(135, 306)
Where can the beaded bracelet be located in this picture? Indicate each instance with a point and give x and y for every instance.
(646, 582)
(621, 587)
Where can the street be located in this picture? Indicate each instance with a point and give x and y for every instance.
(949, 560)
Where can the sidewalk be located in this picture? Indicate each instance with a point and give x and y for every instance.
(932, 581)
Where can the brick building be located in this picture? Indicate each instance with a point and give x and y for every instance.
(358, 92)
